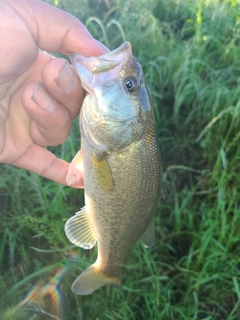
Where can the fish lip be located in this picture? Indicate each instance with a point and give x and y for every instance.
(105, 62)
(110, 56)
(107, 56)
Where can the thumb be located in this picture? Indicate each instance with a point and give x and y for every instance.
(55, 30)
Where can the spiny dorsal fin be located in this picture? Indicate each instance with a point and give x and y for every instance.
(79, 230)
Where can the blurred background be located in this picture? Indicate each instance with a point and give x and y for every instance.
(190, 54)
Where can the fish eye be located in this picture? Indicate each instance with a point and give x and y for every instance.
(131, 84)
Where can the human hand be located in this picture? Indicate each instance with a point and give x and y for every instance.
(39, 95)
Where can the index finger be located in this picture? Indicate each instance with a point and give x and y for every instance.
(44, 163)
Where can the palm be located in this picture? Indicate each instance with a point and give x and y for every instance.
(33, 115)
(16, 135)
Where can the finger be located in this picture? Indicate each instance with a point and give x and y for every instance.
(63, 84)
(58, 31)
(51, 122)
(42, 162)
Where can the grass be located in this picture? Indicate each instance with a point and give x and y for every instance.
(189, 51)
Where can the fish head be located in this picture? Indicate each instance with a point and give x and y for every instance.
(117, 107)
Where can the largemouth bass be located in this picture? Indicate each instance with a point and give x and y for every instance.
(121, 165)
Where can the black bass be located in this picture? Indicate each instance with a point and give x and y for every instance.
(121, 165)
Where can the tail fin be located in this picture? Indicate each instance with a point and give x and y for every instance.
(92, 279)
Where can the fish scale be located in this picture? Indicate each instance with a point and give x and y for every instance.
(121, 165)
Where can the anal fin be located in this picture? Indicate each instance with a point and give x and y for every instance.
(79, 230)
(148, 237)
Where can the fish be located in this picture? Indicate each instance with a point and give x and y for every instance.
(121, 165)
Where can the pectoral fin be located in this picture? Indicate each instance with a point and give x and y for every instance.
(103, 173)
(74, 173)
(79, 230)
(148, 237)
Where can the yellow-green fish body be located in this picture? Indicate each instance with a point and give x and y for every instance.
(121, 165)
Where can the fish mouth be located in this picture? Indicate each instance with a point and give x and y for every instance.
(110, 60)
(105, 62)
(124, 47)
(89, 69)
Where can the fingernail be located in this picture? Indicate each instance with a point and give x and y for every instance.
(43, 99)
(66, 80)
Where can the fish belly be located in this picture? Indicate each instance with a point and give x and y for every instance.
(119, 215)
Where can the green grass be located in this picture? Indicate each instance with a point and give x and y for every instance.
(189, 51)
